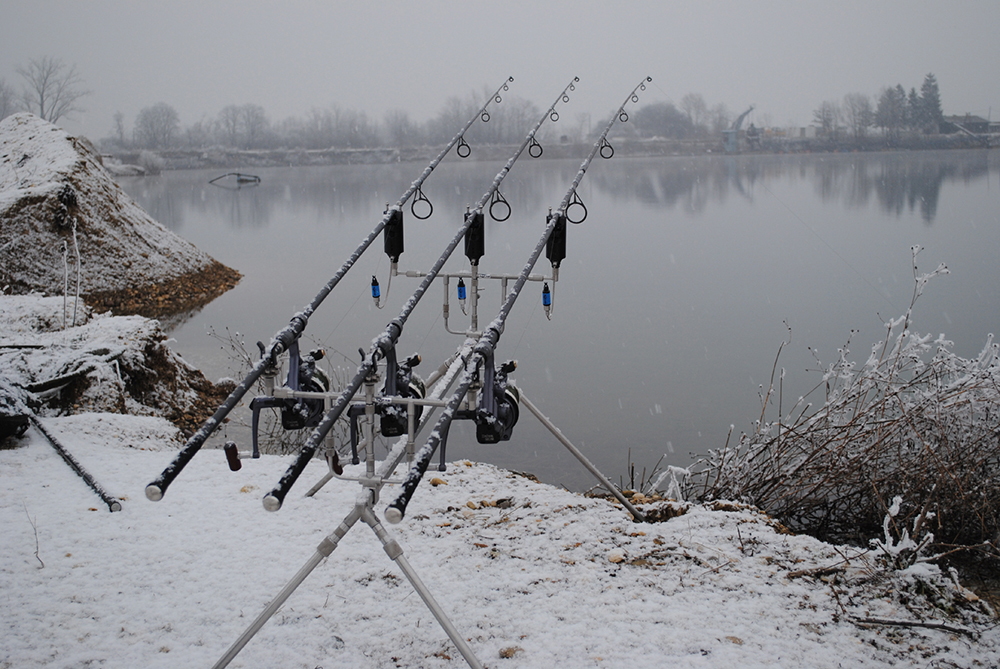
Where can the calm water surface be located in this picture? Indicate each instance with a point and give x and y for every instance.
(672, 302)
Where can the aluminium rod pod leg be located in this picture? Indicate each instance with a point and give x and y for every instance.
(325, 548)
(393, 550)
(557, 433)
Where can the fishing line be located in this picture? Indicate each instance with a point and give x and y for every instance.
(428, 333)
(824, 242)
(364, 292)
(531, 316)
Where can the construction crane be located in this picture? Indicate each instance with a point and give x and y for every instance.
(729, 137)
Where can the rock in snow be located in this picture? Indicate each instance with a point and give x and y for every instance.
(53, 185)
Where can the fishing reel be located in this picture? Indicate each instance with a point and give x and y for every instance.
(400, 382)
(296, 412)
(300, 413)
(497, 413)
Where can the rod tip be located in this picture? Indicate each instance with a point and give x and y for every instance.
(153, 493)
(271, 503)
(393, 515)
(115, 506)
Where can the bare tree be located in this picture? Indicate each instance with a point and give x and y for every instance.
(51, 88)
(696, 109)
(254, 125)
(118, 130)
(858, 113)
(890, 114)
(156, 127)
(720, 118)
(229, 125)
(399, 130)
(8, 100)
(827, 115)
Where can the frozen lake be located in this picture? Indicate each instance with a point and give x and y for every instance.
(672, 301)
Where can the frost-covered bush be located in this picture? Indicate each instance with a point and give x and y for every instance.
(915, 421)
(151, 162)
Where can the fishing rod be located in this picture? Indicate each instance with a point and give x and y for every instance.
(497, 411)
(383, 346)
(392, 223)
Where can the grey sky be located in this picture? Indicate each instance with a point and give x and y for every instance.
(783, 57)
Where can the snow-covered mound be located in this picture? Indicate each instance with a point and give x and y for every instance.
(104, 363)
(51, 182)
(531, 575)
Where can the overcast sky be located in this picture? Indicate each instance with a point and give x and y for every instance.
(289, 56)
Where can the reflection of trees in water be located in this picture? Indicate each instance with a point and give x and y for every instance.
(169, 199)
(329, 195)
(898, 181)
(688, 183)
(158, 198)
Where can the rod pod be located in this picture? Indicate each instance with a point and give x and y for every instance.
(284, 338)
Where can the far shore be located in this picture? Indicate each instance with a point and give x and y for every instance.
(224, 157)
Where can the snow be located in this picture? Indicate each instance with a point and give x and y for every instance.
(525, 571)
(53, 186)
(103, 363)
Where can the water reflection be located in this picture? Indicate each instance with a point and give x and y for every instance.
(318, 192)
(899, 181)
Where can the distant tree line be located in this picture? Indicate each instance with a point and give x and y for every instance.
(692, 119)
(893, 111)
(53, 90)
(248, 127)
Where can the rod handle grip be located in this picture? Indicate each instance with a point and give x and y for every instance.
(233, 456)
(274, 499)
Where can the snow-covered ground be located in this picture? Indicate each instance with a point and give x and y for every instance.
(546, 578)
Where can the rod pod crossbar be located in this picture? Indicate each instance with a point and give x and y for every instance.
(284, 338)
(383, 343)
(486, 347)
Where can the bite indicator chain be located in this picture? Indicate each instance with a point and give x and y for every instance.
(385, 342)
(285, 337)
